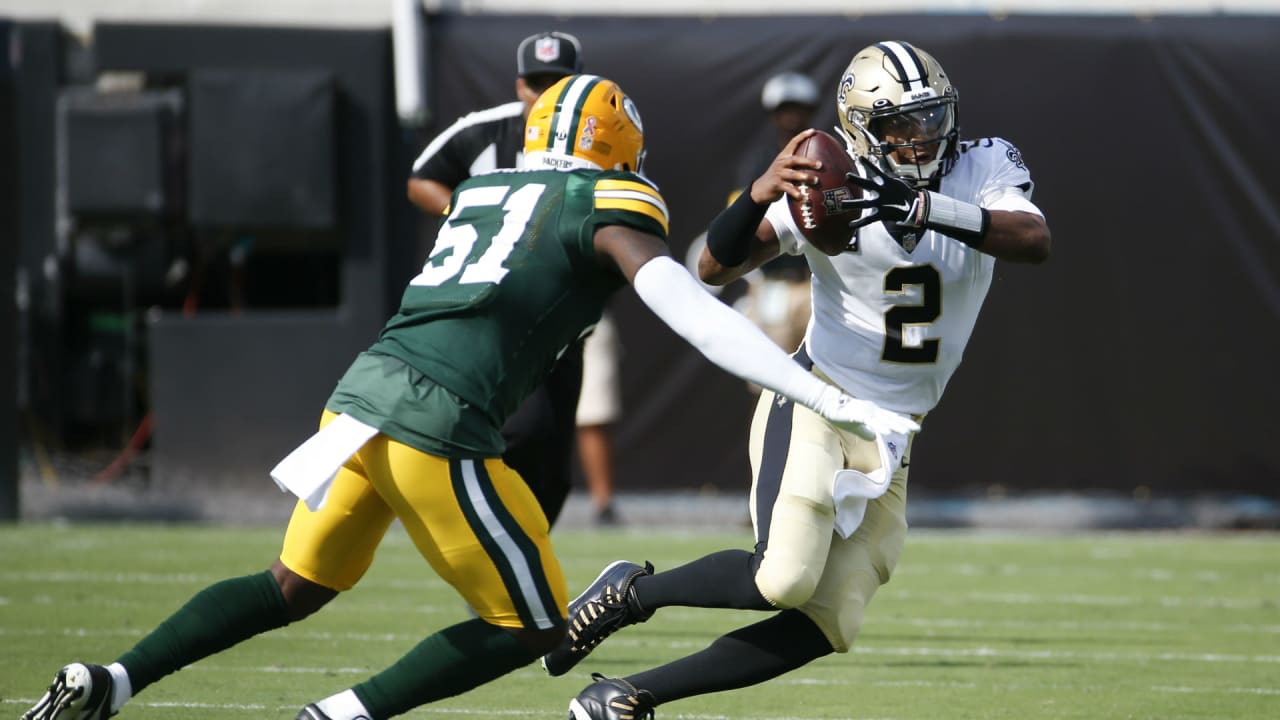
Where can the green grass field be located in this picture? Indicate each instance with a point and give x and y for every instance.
(973, 625)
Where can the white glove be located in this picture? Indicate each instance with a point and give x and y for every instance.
(862, 418)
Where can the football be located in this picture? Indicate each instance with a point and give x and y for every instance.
(818, 215)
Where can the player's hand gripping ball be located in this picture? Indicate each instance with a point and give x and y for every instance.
(819, 215)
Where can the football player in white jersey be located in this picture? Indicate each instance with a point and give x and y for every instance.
(893, 309)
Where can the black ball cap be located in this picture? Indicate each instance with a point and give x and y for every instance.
(554, 53)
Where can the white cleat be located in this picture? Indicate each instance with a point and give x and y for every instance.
(78, 692)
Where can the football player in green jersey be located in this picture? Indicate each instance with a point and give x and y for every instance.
(520, 269)
(540, 435)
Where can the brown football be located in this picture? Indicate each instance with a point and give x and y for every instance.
(818, 215)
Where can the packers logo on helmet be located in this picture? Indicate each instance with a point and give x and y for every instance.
(584, 121)
(898, 108)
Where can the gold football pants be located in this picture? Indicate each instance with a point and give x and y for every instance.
(475, 521)
(795, 454)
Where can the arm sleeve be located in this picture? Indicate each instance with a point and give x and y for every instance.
(733, 230)
(725, 337)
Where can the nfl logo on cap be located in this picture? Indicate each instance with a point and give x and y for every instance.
(547, 49)
(552, 53)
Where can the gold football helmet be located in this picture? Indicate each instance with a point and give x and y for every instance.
(898, 108)
(584, 121)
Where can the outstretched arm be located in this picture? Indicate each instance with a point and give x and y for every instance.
(727, 338)
(1004, 234)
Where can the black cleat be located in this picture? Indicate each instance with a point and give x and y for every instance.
(611, 699)
(608, 604)
(78, 692)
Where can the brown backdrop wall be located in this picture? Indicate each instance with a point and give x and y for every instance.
(1142, 354)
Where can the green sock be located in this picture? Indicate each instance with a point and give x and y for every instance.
(445, 664)
(217, 617)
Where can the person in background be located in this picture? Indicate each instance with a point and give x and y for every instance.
(829, 506)
(777, 297)
(524, 263)
(599, 407)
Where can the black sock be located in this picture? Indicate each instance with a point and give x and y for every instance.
(724, 579)
(747, 656)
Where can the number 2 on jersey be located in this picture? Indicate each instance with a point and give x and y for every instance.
(896, 281)
(456, 243)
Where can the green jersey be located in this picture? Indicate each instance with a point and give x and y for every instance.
(512, 282)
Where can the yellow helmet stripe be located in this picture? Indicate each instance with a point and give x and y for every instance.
(635, 198)
(565, 123)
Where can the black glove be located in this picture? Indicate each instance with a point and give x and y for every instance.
(890, 198)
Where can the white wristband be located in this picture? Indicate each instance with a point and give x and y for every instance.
(964, 221)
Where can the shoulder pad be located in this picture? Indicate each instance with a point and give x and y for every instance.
(994, 147)
(632, 193)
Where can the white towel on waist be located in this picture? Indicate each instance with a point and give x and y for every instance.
(309, 470)
(851, 489)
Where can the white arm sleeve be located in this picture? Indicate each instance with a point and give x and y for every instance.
(725, 337)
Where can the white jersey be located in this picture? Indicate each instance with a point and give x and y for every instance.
(890, 323)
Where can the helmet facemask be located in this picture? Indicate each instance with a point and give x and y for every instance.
(916, 141)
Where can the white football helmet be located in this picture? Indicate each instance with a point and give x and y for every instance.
(898, 108)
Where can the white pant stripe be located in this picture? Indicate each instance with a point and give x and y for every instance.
(524, 576)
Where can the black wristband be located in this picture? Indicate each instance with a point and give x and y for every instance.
(729, 237)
